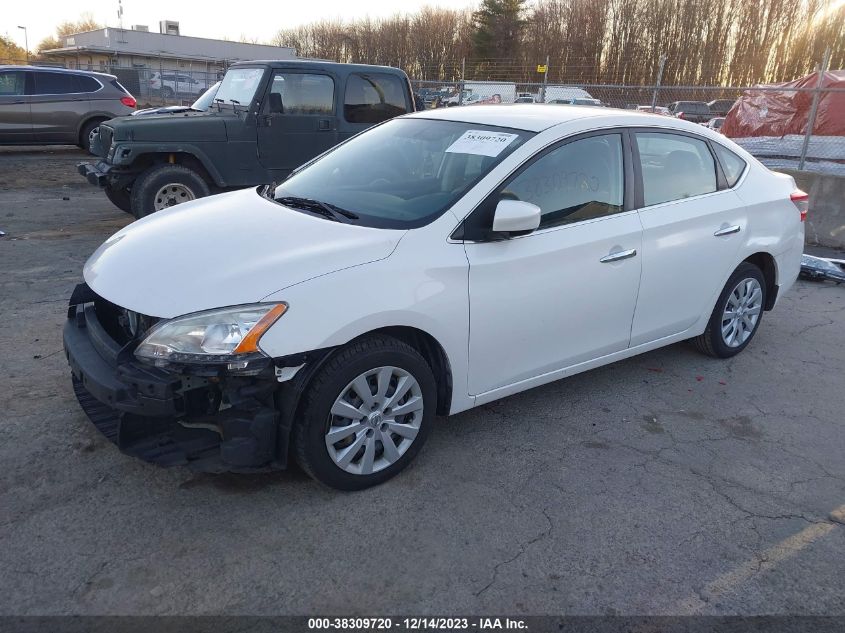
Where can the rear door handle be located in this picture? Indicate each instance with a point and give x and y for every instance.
(615, 257)
(728, 230)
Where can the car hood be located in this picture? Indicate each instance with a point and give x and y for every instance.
(225, 250)
(170, 127)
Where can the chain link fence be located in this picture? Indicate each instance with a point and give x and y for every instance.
(779, 138)
(158, 83)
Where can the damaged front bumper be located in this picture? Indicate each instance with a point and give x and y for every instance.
(214, 422)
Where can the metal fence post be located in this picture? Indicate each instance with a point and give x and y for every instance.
(461, 82)
(545, 82)
(657, 82)
(811, 119)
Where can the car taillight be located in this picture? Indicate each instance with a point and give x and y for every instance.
(801, 201)
(128, 101)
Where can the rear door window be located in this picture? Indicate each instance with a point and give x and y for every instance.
(674, 167)
(12, 83)
(373, 98)
(55, 83)
(87, 84)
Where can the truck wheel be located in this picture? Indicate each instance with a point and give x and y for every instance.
(165, 186)
(119, 198)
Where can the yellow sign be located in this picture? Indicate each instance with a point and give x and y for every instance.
(541, 68)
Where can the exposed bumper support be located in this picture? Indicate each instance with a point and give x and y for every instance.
(166, 418)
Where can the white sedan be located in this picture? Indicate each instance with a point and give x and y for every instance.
(432, 264)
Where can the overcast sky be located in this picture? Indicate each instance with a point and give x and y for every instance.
(200, 18)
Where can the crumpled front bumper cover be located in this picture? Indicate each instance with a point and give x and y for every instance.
(146, 411)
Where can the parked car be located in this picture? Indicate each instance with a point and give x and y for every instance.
(716, 123)
(415, 271)
(525, 99)
(268, 118)
(654, 110)
(172, 84)
(695, 111)
(720, 107)
(48, 106)
(580, 101)
(200, 105)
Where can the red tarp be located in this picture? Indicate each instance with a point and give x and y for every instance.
(778, 110)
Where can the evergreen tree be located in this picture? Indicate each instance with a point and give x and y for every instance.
(498, 29)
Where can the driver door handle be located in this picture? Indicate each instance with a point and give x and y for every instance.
(728, 230)
(615, 257)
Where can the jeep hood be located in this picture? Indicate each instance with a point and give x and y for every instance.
(225, 250)
(180, 127)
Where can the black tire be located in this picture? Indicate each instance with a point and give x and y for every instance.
(309, 444)
(148, 184)
(85, 134)
(167, 92)
(119, 198)
(711, 341)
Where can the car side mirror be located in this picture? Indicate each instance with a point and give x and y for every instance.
(516, 216)
(276, 105)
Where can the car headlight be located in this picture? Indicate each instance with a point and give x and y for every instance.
(228, 335)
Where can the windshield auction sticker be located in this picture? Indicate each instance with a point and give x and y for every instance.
(481, 142)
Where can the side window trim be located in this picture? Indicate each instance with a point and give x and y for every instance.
(628, 199)
(721, 181)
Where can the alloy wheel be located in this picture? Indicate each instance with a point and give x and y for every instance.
(374, 420)
(742, 311)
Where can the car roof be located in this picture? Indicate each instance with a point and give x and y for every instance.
(536, 117)
(319, 64)
(57, 69)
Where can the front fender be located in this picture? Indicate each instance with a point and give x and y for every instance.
(128, 153)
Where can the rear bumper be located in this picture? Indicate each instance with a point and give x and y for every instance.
(96, 174)
(165, 418)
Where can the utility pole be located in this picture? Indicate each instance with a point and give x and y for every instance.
(461, 84)
(811, 119)
(25, 42)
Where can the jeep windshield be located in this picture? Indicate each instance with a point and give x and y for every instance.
(402, 174)
(239, 86)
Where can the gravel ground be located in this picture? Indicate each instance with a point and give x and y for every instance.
(670, 483)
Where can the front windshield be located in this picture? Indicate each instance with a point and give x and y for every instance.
(239, 85)
(404, 173)
(207, 98)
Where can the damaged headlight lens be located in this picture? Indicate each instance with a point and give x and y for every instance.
(217, 336)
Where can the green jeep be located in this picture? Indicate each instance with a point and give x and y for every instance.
(268, 118)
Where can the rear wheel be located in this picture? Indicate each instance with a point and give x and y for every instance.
(119, 198)
(737, 314)
(167, 92)
(366, 414)
(88, 133)
(165, 186)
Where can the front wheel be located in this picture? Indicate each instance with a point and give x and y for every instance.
(165, 186)
(737, 314)
(366, 414)
(119, 198)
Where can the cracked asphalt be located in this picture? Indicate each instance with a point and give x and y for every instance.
(670, 483)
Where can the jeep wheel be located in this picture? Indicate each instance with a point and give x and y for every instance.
(165, 186)
(119, 198)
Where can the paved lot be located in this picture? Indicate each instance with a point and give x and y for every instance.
(670, 483)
